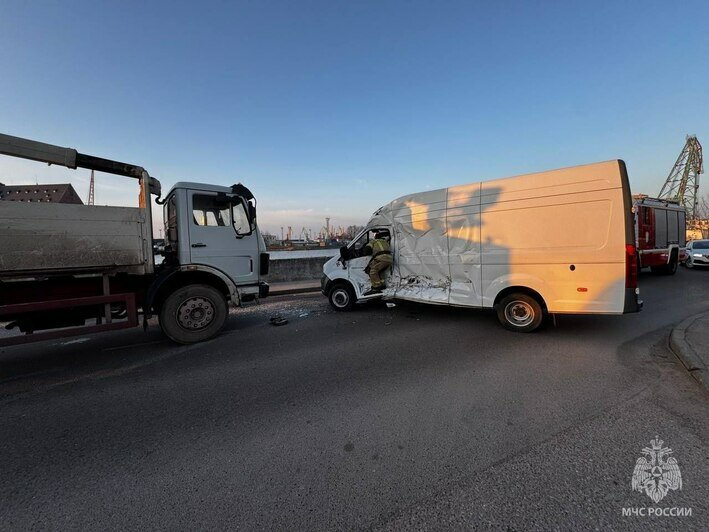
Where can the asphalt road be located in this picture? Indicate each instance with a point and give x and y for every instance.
(409, 417)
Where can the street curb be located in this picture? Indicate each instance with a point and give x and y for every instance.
(686, 354)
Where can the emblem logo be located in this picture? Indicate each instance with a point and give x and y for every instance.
(656, 473)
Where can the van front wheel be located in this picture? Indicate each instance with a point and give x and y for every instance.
(342, 297)
(520, 313)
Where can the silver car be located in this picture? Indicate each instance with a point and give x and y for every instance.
(697, 253)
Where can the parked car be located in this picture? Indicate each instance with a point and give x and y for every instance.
(697, 253)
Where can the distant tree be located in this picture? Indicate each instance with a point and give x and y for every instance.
(352, 231)
(703, 207)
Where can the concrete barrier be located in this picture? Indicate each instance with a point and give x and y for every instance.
(286, 270)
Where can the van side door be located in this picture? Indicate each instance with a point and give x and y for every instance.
(357, 265)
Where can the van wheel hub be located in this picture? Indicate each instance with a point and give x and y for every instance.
(195, 313)
(340, 297)
(519, 313)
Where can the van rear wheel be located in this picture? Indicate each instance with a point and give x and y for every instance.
(520, 313)
(193, 313)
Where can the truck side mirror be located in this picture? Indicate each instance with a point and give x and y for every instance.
(243, 223)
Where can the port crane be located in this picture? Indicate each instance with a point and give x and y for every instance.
(91, 198)
(682, 184)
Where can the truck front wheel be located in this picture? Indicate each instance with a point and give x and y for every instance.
(193, 313)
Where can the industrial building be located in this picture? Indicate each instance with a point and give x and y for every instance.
(53, 193)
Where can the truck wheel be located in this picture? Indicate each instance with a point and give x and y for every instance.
(193, 313)
(520, 313)
(668, 269)
(342, 297)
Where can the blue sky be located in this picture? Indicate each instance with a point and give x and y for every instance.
(334, 108)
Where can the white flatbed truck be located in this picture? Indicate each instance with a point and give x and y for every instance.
(70, 269)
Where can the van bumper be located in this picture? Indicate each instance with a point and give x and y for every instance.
(633, 303)
(325, 283)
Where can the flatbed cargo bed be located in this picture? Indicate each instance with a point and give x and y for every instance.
(57, 238)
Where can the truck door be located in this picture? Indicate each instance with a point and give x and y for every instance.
(214, 240)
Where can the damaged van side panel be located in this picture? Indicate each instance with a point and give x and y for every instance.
(463, 222)
(421, 247)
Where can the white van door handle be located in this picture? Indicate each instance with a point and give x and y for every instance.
(199, 245)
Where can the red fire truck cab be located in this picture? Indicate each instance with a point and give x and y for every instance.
(660, 230)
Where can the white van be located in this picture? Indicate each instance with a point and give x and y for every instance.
(552, 242)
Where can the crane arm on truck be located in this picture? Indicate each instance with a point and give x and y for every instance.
(69, 157)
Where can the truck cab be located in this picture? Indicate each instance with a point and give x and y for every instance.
(211, 239)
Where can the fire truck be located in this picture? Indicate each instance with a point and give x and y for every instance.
(660, 231)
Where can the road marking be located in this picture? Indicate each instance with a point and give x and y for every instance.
(130, 346)
(75, 341)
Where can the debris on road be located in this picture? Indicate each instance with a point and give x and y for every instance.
(278, 321)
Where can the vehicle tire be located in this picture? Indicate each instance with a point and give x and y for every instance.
(668, 269)
(689, 263)
(520, 312)
(193, 313)
(342, 297)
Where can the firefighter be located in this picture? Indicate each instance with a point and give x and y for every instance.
(380, 250)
